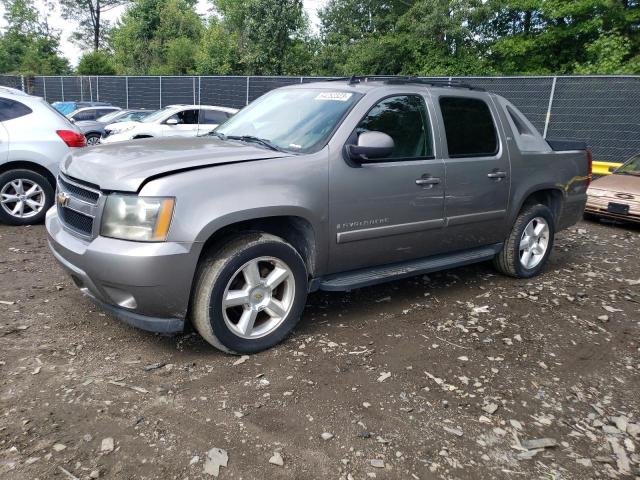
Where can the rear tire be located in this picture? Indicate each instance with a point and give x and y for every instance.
(25, 197)
(250, 294)
(529, 244)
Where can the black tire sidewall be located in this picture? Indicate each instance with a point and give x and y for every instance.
(530, 214)
(278, 250)
(47, 188)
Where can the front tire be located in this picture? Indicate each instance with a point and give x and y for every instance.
(93, 139)
(25, 197)
(250, 294)
(529, 244)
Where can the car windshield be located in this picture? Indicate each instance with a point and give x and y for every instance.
(631, 167)
(109, 117)
(295, 120)
(157, 115)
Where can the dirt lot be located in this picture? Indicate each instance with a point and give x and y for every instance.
(443, 376)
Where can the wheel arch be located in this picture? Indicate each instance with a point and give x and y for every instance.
(27, 165)
(552, 197)
(294, 229)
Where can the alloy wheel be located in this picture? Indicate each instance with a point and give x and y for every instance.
(22, 198)
(258, 297)
(534, 243)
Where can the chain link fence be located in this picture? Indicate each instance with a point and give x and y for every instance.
(602, 110)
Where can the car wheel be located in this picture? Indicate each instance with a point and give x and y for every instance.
(250, 294)
(93, 139)
(529, 244)
(25, 197)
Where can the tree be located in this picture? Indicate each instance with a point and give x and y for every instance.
(93, 29)
(28, 44)
(148, 35)
(97, 62)
(269, 35)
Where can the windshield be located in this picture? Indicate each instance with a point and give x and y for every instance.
(632, 167)
(157, 115)
(108, 118)
(296, 120)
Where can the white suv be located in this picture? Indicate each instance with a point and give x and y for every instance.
(170, 121)
(34, 138)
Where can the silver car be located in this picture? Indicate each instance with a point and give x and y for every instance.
(34, 138)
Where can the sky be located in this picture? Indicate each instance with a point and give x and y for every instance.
(73, 52)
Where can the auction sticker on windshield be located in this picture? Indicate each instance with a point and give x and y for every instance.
(334, 96)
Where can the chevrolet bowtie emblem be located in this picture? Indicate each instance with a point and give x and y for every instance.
(62, 199)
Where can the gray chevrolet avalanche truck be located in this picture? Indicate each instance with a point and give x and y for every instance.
(333, 186)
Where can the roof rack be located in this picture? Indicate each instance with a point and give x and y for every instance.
(403, 79)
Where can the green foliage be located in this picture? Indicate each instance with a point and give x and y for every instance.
(272, 37)
(157, 37)
(97, 62)
(93, 30)
(28, 45)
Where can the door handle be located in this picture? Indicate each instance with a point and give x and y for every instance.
(427, 182)
(497, 175)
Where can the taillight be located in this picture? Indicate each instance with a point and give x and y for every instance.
(72, 139)
(590, 167)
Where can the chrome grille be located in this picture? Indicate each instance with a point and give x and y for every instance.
(78, 206)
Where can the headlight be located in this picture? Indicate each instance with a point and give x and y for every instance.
(143, 219)
(122, 129)
(592, 192)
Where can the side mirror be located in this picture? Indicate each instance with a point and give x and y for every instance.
(371, 146)
(171, 121)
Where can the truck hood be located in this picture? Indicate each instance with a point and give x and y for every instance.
(125, 166)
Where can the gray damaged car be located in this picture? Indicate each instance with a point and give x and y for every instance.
(334, 186)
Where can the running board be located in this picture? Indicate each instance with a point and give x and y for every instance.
(385, 273)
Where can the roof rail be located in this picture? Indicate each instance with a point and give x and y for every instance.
(402, 79)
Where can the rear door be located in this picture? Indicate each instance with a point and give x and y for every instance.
(187, 125)
(478, 169)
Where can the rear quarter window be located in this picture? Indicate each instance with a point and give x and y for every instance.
(469, 127)
(10, 109)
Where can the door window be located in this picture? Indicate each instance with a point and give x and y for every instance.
(10, 109)
(469, 127)
(213, 117)
(186, 117)
(404, 118)
(85, 115)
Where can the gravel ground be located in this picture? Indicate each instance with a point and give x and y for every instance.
(463, 374)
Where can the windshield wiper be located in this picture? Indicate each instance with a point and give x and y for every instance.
(221, 136)
(251, 139)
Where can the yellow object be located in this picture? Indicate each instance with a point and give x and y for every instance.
(604, 168)
(164, 220)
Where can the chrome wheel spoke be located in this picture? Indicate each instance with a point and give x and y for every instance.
(235, 298)
(276, 277)
(526, 257)
(251, 274)
(17, 187)
(18, 210)
(7, 198)
(275, 309)
(247, 320)
(541, 227)
(524, 243)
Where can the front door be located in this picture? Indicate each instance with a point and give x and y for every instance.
(478, 170)
(4, 143)
(391, 210)
(186, 126)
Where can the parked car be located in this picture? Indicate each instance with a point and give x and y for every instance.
(170, 121)
(66, 108)
(91, 113)
(617, 196)
(331, 185)
(34, 138)
(94, 129)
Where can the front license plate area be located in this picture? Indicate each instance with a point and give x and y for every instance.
(618, 208)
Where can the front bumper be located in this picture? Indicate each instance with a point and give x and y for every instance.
(146, 285)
